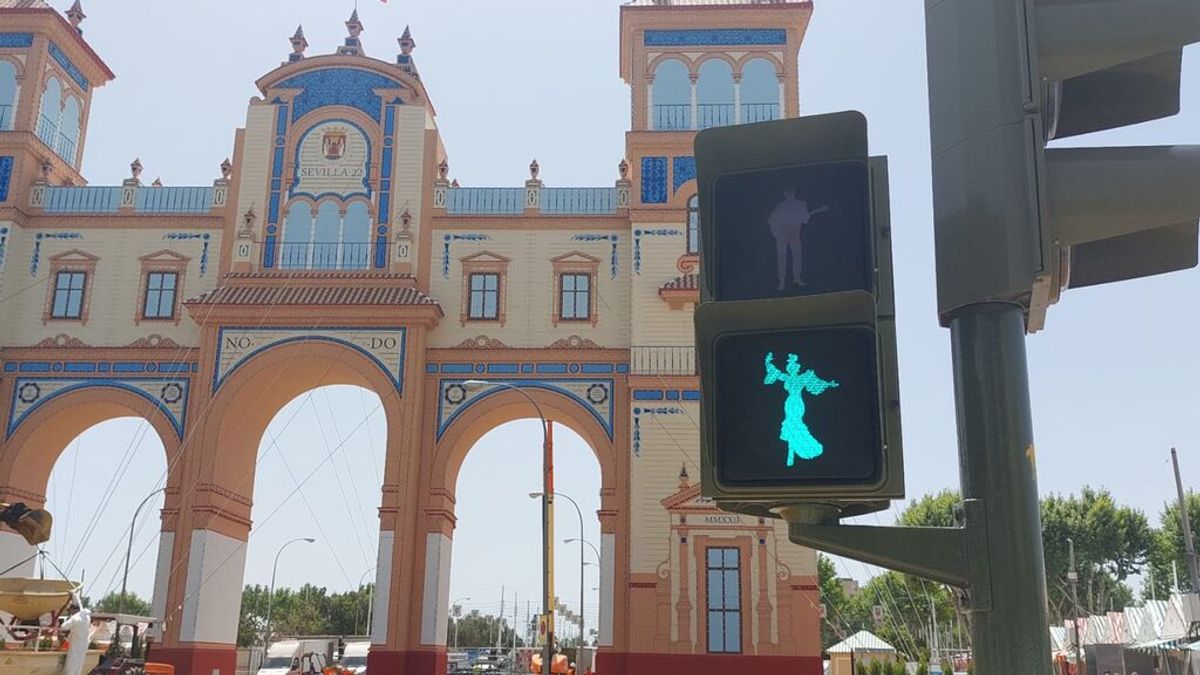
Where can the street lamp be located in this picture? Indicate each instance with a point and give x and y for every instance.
(129, 549)
(457, 618)
(547, 517)
(271, 597)
(370, 601)
(590, 545)
(579, 511)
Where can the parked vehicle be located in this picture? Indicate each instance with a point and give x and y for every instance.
(296, 657)
(354, 659)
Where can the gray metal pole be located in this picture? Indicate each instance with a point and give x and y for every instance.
(271, 595)
(998, 467)
(1073, 577)
(129, 549)
(1186, 522)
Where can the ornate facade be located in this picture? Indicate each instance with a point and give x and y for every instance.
(334, 248)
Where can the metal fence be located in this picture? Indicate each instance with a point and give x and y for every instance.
(578, 201)
(663, 360)
(710, 115)
(316, 255)
(82, 199)
(174, 199)
(759, 112)
(672, 117)
(485, 201)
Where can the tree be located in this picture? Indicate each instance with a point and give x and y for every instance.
(476, 630)
(112, 603)
(837, 604)
(1112, 543)
(1168, 547)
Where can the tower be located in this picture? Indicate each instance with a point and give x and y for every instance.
(47, 76)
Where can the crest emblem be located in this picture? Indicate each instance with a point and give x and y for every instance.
(333, 144)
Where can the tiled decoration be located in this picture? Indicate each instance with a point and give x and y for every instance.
(595, 395)
(339, 86)
(6, 169)
(715, 37)
(683, 169)
(654, 180)
(167, 393)
(75, 73)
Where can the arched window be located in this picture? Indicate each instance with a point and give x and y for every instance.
(8, 95)
(356, 237)
(714, 94)
(50, 113)
(297, 236)
(328, 233)
(68, 131)
(672, 109)
(760, 91)
(693, 224)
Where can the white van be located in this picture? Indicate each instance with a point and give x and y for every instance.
(355, 657)
(295, 657)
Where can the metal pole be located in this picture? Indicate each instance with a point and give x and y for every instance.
(547, 517)
(578, 511)
(271, 596)
(998, 467)
(360, 584)
(1185, 520)
(129, 549)
(1073, 577)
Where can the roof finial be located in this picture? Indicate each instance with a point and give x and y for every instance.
(299, 44)
(683, 476)
(76, 16)
(157, 183)
(352, 46)
(135, 169)
(404, 59)
(534, 169)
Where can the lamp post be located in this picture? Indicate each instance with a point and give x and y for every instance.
(535, 495)
(547, 517)
(271, 597)
(455, 606)
(582, 565)
(129, 548)
(370, 600)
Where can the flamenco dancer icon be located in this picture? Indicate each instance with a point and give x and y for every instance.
(801, 442)
(787, 221)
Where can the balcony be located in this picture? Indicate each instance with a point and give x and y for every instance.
(308, 255)
(676, 360)
(679, 117)
(6, 117)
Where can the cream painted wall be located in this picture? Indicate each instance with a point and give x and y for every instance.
(408, 173)
(254, 170)
(654, 323)
(668, 442)
(114, 301)
(530, 287)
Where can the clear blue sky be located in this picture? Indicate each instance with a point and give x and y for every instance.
(1113, 376)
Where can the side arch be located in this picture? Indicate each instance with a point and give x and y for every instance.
(30, 452)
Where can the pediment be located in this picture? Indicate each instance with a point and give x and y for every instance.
(485, 257)
(576, 257)
(165, 255)
(74, 255)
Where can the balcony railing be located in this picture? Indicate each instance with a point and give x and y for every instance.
(709, 115)
(672, 117)
(310, 255)
(491, 201)
(663, 360)
(182, 199)
(47, 130)
(759, 112)
(82, 199)
(6, 117)
(578, 201)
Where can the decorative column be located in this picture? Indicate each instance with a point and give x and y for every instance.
(764, 644)
(129, 187)
(221, 185)
(441, 186)
(737, 98)
(650, 103)
(694, 79)
(533, 190)
(624, 185)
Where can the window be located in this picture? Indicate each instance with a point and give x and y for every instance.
(485, 297)
(693, 224)
(160, 295)
(724, 601)
(576, 292)
(672, 97)
(328, 236)
(8, 95)
(69, 288)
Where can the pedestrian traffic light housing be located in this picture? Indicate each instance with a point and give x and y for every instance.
(1018, 222)
(795, 329)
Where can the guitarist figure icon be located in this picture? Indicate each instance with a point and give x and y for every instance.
(787, 223)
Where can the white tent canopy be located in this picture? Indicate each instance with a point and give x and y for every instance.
(861, 642)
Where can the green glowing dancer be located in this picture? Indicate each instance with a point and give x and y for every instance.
(793, 430)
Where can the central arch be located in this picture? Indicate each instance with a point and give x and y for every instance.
(432, 544)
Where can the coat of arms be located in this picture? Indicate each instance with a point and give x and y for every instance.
(333, 144)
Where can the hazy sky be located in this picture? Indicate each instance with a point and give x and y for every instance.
(1113, 376)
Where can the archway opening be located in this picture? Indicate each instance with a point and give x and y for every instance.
(496, 568)
(319, 468)
(105, 475)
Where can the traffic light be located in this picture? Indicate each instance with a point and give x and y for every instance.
(1018, 222)
(795, 330)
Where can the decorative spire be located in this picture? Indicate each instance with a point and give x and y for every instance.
(226, 169)
(352, 46)
(623, 169)
(135, 169)
(76, 16)
(534, 169)
(443, 169)
(683, 476)
(299, 44)
(404, 59)
(157, 183)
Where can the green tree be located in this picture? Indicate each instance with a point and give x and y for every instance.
(837, 604)
(476, 630)
(876, 668)
(860, 668)
(132, 604)
(1112, 542)
(1168, 546)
